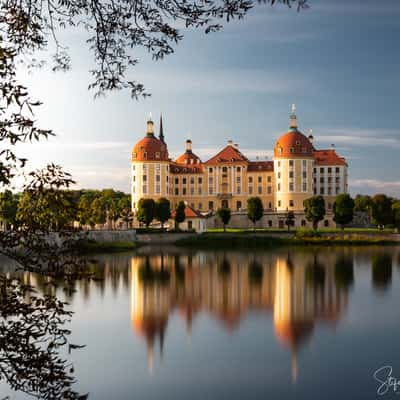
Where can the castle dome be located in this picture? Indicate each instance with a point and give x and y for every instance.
(293, 144)
(188, 157)
(150, 148)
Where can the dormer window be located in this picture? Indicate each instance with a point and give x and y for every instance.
(157, 154)
(292, 149)
(134, 155)
(304, 150)
(297, 142)
(145, 155)
(280, 150)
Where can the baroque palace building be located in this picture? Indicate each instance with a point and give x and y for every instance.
(228, 179)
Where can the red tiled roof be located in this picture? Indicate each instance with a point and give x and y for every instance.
(255, 166)
(188, 157)
(146, 149)
(228, 154)
(186, 168)
(189, 213)
(328, 157)
(293, 144)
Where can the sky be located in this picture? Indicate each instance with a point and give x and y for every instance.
(338, 61)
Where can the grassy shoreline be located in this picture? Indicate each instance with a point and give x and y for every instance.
(91, 246)
(248, 240)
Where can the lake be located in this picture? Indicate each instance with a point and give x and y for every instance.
(291, 323)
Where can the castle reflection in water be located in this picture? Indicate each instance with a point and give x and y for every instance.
(299, 290)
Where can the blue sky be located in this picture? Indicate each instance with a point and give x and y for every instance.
(339, 61)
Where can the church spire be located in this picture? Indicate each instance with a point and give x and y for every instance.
(161, 135)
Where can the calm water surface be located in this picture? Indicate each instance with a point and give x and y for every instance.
(286, 324)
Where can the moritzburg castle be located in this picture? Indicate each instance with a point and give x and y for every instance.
(228, 179)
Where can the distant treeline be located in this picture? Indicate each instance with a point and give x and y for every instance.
(59, 209)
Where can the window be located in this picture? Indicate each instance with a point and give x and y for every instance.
(292, 149)
(269, 223)
(304, 187)
(192, 191)
(290, 174)
(158, 189)
(329, 170)
(304, 163)
(304, 175)
(133, 189)
(190, 224)
(280, 150)
(238, 205)
(329, 180)
(279, 187)
(134, 155)
(279, 203)
(184, 191)
(326, 223)
(250, 190)
(157, 154)
(176, 191)
(238, 179)
(303, 222)
(250, 179)
(259, 190)
(210, 170)
(315, 170)
(210, 190)
(192, 181)
(210, 181)
(145, 155)
(337, 179)
(211, 205)
(291, 163)
(134, 178)
(322, 179)
(322, 191)
(176, 181)
(259, 179)
(238, 190)
(329, 190)
(184, 181)
(224, 169)
(321, 170)
(291, 203)
(337, 190)
(337, 170)
(269, 179)
(269, 189)
(279, 175)
(270, 205)
(200, 206)
(144, 189)
(200, 181)
(158, 178)
(291, 187)
(144, 178)
(279, 164)
(167, 178)
(237, 169)
(297, 143)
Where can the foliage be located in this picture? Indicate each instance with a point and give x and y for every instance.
(163, 210)
(254, 209)
(307, 233)
(146, 211)
(8, 207)
(381, 210)
(343, 209)
(396, 213)
(289, 219)
(314, 209)
(362, 203)
(224, 214)
(180, 213)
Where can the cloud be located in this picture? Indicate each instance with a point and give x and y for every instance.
(360, 137)
(363, 8)
(373, 186)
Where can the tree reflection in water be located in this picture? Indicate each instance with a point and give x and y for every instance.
(32, 334)
(381, 271)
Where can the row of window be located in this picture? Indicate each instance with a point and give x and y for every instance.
(329, 191)
(329, 170)
(322, 180)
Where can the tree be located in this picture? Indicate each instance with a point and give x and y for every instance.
(224, 214)
(255, 210)
(163, 210)
(179, 213)
(396, 214)
(146, 211)
(124, 204)
(289, 220)
(362, 203)
(381, 210)
(343, 209)
(314, 209)
(8, 208)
